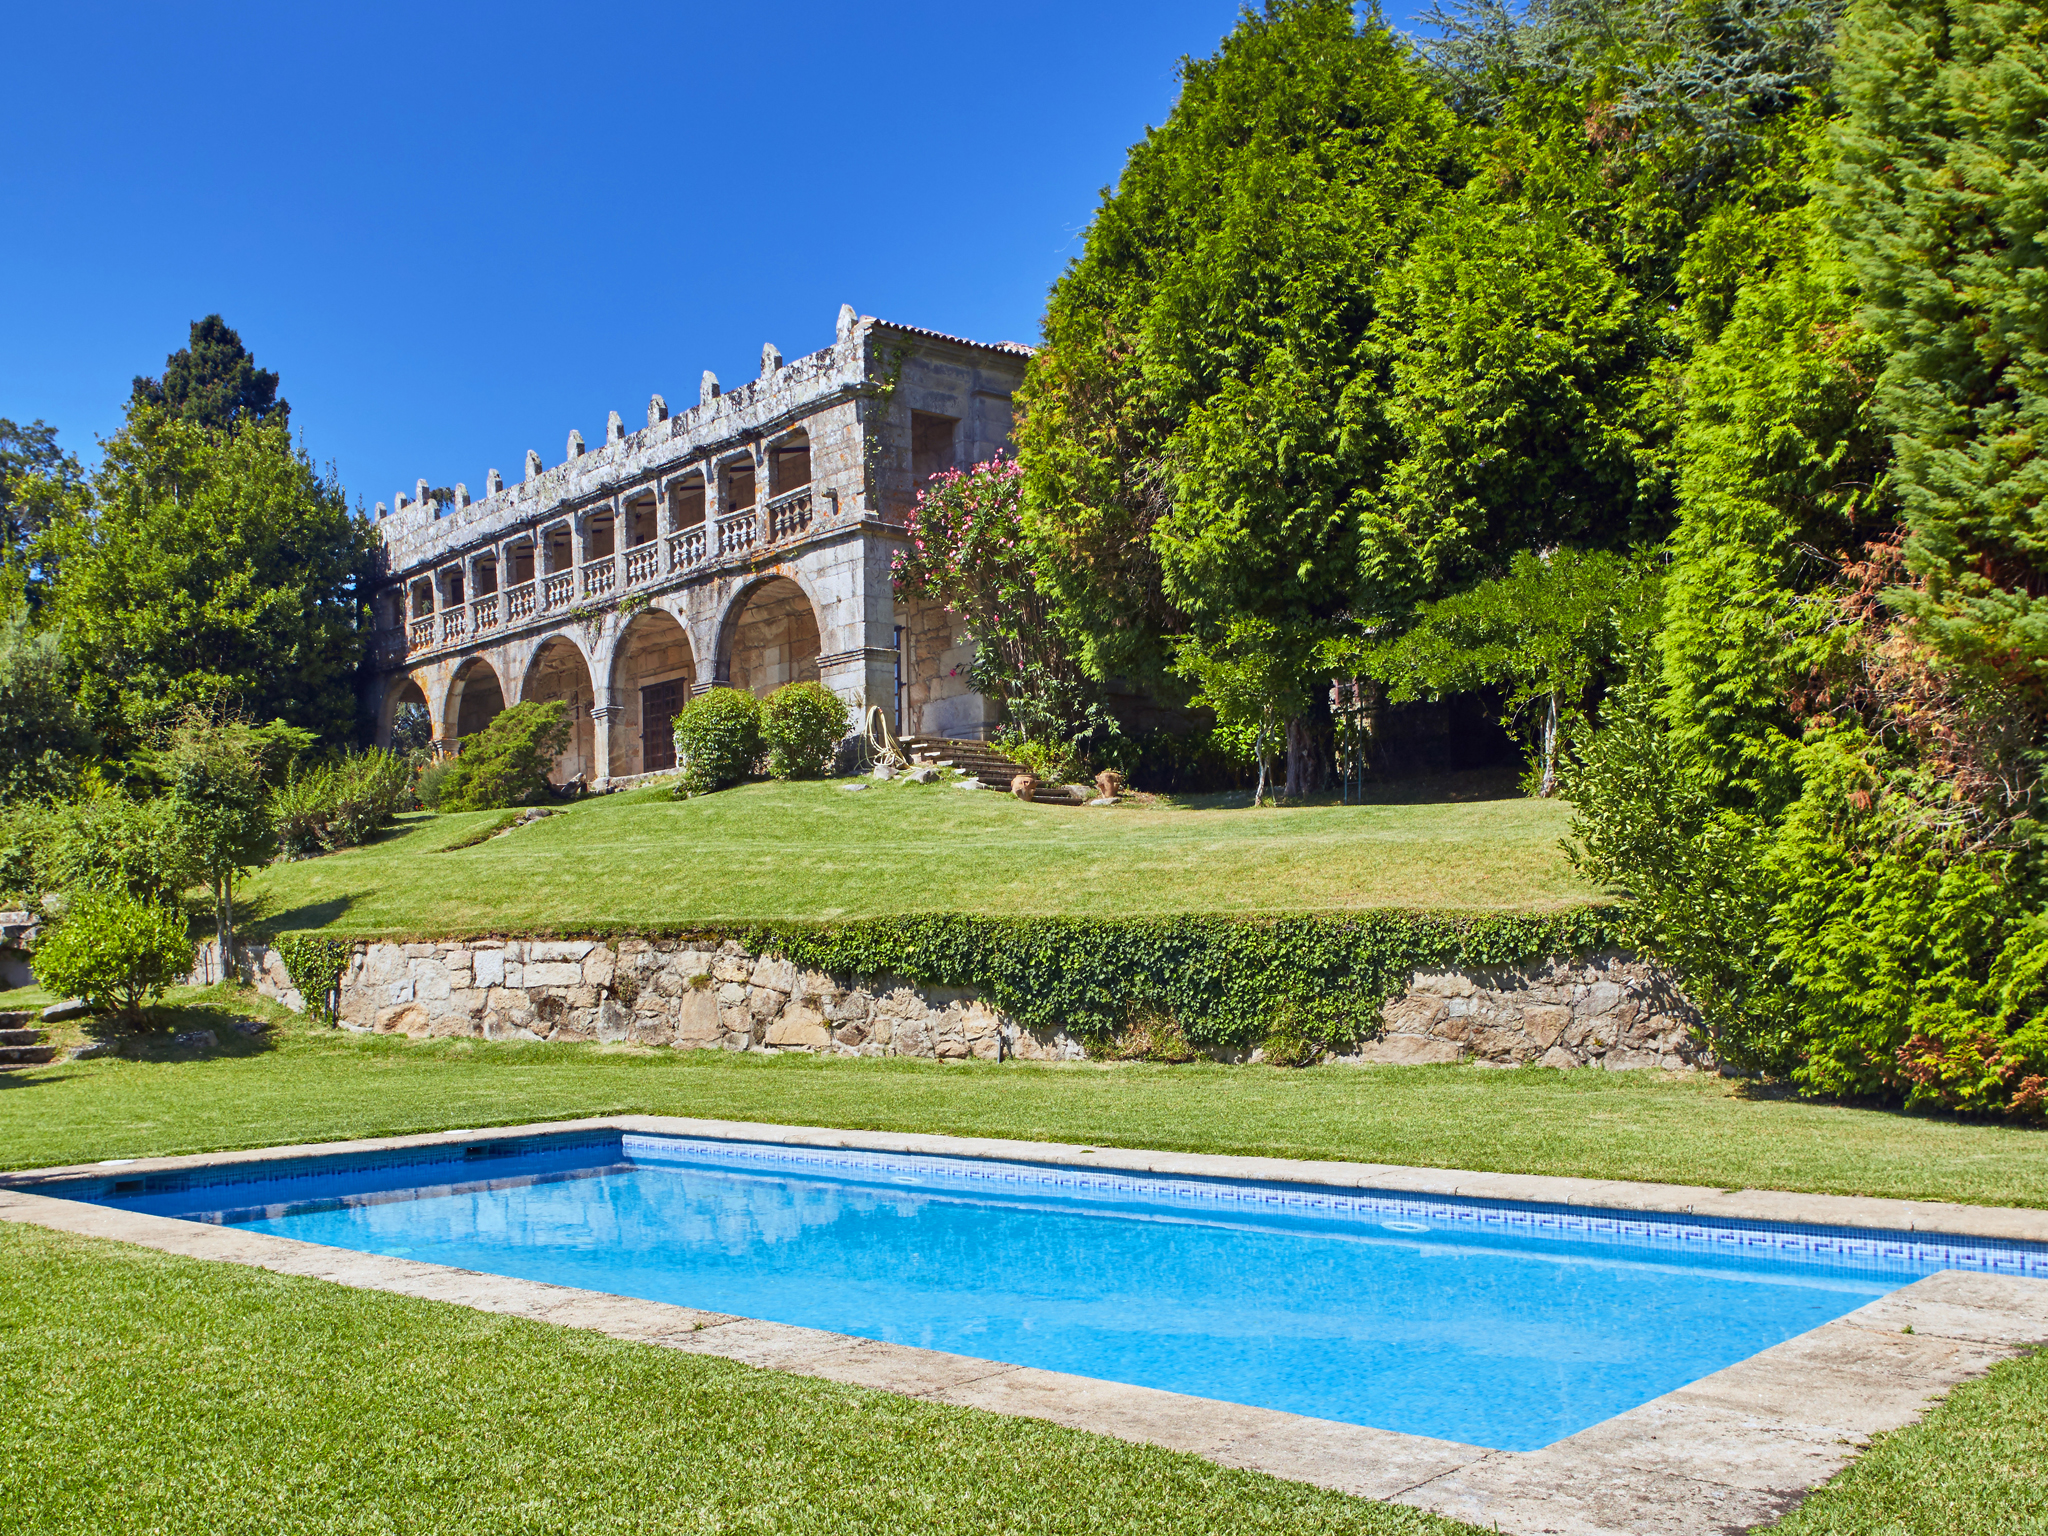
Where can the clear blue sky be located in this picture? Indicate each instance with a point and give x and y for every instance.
(459, 231)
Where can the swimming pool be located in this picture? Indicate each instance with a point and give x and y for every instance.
(1489, 1323)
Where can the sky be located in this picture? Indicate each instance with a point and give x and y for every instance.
(457, 231)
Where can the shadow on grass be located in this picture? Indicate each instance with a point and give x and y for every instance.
(258, 918)
(1476, 785)
(182, 1032)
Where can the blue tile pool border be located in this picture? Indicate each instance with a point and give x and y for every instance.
(1887, 1251)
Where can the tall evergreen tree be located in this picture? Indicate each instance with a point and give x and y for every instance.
(213, 382)
(1941, 201)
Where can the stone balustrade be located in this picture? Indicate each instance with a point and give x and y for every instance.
(520, 602)
(557, 590)
(483, 613)
(789, 515)
(600, 577)
(736, 533)
(642, 564)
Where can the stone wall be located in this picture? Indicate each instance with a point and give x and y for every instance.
(1609, 1011)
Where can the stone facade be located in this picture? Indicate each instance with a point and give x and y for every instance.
(1608, 1011)
(746, 541)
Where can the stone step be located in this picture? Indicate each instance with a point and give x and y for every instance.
(21, 1036)
(14, 1018)
(26, 1055)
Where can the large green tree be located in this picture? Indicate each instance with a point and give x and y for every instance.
(34, 475)
(1203, 424)
(210, 567)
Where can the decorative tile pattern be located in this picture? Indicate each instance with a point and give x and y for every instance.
(292, 1182)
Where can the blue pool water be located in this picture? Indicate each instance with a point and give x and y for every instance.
(1494, 1325)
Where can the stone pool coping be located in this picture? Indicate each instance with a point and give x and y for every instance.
(1735, 1448)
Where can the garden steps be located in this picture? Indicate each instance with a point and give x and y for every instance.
(22, 1047)
(979, 760)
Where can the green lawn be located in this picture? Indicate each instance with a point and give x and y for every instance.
(204, 1398)
(308, 1083)
(147, 1392)
(819, 850)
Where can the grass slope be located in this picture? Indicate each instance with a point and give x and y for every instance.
(148, 1392)
(307, 1083)
(819, 851)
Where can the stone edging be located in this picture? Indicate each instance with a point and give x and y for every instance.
(1737, 1447)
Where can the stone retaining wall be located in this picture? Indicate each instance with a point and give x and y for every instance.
(1609, 1010)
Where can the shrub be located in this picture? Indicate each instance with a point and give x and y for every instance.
(339, 804)
(802, 724)
(1055, 762)
(116, 953)
(507, 762)
(718, 739)
(105, 842)
(432, 783)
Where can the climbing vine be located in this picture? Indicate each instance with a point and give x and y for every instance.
(315, 964)
(1225, 981)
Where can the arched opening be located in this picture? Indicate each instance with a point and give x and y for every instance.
(475, 698)
(651, 678)
(686, 521)
(773, 638)
(558, 671)
(408, 725)
(789, 463)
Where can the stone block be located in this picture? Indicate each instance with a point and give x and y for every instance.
(952, 1048)
(697, 1018)
(1557, 1056)
(559, 951)
(1404, 1051)
(611, 1020)
(406, 1019)
(731, 968)
(851, 1034)
(1442, 984)
(910, 1038)
(600, 968)
(1415, 1014)
(487, 966)
(774, 973)
(550, 974)
(453, 1024)
(1620, 1060)
(1544, 1023)
(798, 1025)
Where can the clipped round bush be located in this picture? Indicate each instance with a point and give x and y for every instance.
(115, 952)
(802, 724)
(718, 739)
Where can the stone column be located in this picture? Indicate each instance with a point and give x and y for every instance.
(603, 711)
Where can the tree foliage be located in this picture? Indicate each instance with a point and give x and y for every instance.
(35, 474)
(44, 745)
(802, 725)
(1202, 425)
(1250, 678)
(212, 382)
(209, 568)
(718, 739)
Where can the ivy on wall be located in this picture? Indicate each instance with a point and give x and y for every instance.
(315, 963)
(1226, 981)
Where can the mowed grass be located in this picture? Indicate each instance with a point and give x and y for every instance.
(304, 1082)
(190, 1397)
(147, 1392)
(769, 852)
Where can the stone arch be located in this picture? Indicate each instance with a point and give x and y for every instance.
(653, 669)
(560, 671)
(401, 692)
(770, 636)
(475, 698)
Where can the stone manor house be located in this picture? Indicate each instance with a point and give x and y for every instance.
(744, 542)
